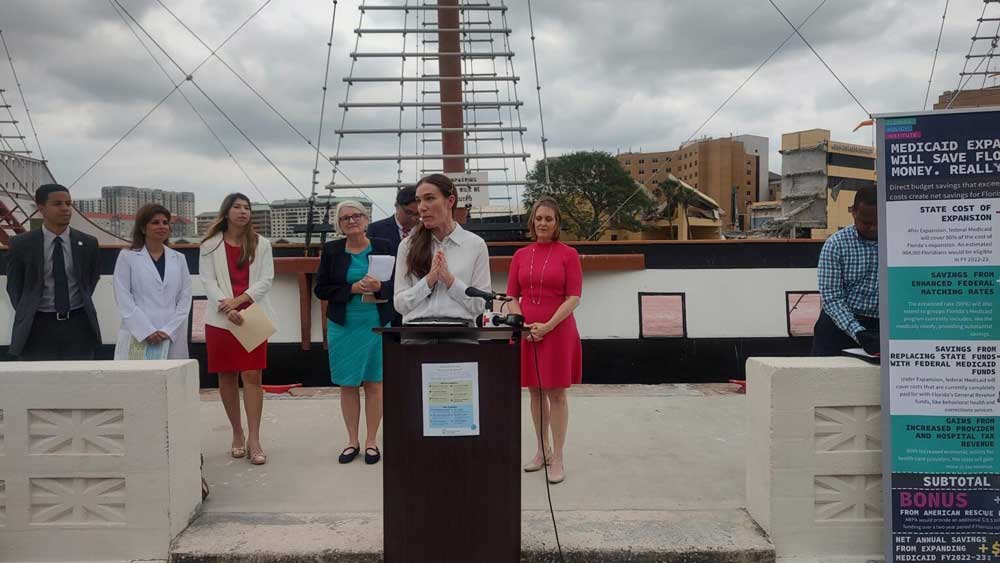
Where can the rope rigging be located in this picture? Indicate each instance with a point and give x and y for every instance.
(24, 101)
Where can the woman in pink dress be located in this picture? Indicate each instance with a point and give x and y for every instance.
(546, 280)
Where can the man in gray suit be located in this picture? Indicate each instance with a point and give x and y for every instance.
(51, 276)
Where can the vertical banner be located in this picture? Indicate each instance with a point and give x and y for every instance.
(939, 194)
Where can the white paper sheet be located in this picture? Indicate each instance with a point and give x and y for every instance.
(381, 266)
(451, 399)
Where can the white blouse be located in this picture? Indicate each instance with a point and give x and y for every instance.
(468, 260)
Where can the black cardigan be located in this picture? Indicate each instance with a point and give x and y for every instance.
(332, 286)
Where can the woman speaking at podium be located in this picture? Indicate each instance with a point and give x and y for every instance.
(439, 260)
(546, 281)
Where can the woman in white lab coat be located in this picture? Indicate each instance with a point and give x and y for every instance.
(152, 287)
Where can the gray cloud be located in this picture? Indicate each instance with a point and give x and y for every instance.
(615, 75)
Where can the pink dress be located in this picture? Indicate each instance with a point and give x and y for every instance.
(542, 275)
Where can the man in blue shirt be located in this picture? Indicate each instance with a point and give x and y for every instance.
(848, 283)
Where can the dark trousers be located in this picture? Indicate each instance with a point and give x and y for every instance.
(55, 340)
(829, 340)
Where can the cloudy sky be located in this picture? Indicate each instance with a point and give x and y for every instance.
(615, 75)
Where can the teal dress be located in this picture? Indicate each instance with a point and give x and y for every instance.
(356, 351)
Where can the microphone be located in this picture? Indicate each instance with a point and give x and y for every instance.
(487, 295)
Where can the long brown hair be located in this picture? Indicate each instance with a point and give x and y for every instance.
(146, 214)
(418, 261)
(545, 201)
(221, 225)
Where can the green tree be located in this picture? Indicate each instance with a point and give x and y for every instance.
(677, 195)
(593, 191)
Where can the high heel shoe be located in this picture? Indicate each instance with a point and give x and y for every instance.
(557, 476)
(238, 452)
(533, 465)
(258, 458)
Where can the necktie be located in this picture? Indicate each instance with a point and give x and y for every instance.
(59, 275)
(406, 232)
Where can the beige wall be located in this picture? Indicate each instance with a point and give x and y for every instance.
(712, 166)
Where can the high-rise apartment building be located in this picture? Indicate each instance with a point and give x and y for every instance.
(723, 169)
(89, 205)
(126, 200)
(287, 214)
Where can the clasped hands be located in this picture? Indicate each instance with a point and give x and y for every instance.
(230, 307)
(367, 284)
(439, 271)
(157, 337)
(538, 331)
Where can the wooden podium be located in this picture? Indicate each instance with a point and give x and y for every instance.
(452, 499)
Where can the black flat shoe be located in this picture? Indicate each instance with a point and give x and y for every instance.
(372, 459)
(348, 455)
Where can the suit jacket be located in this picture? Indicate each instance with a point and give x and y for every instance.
(386, 229)
(26, 277)
(332, 286)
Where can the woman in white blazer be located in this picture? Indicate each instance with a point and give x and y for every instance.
(152, 287)
(236, 269)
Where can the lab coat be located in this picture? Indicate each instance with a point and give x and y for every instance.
(148, 304)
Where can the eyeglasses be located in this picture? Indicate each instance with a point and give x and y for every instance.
(357, 217)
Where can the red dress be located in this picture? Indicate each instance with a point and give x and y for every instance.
(225, 353)
(543, 275)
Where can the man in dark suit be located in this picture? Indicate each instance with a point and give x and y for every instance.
(395, 228)
(51, 276)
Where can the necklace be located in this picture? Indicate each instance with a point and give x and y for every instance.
(535, 295)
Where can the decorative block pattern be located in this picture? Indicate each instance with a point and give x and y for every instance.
(814, 463)
(846, 498)
(100, 458)
(856, 428)
(76, 431)
(74, 501)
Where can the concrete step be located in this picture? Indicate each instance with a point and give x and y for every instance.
(676, 536)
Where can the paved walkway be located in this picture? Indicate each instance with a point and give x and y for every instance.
(649, 469)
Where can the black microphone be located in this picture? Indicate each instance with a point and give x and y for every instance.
(487, 295)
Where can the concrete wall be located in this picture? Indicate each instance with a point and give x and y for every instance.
(814, 477)
(98, 460)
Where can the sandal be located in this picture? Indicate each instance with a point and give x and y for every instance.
(349, 453)
(258, 458)
(238, 452)
(372, 459)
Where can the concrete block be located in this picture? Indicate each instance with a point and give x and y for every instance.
(99, 460)
(814, 471)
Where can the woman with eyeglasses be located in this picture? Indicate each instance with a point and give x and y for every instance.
(355, 351)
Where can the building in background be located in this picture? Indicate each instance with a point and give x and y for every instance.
(819, 177)
(975, 98)
(89, 205)
(729, 171)
(773, 186)
(126, 200)
(289, 216)
(118, 224)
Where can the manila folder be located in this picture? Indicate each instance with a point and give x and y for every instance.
(256, 327)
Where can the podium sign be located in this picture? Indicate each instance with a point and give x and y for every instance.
(939, 219)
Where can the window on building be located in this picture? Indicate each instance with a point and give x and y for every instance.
(802, 309)
(641, 171)
(642, 161)
(662, 315)
(627, 162)
(655, 160)
(655, 170)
